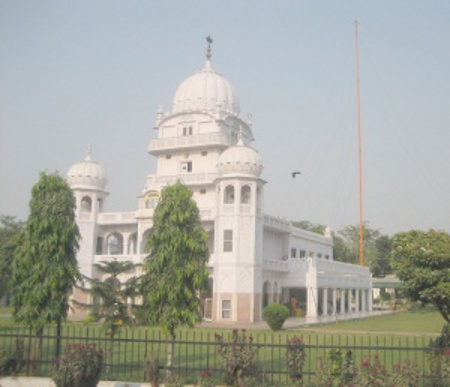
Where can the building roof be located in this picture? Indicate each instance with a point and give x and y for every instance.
(240, 160)
(87, 174)
(206, 90)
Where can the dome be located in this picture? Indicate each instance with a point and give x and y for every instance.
(206, 90)
(240, 160)
(87, 174)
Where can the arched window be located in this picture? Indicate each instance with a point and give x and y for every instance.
(115, 244)
(86, 204)
(151, 199)
(145, 236)
(229, 194)
(267, 289)
(132, 244)
(245, 194)
(275, 292)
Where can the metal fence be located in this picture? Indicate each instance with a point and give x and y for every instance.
(197, 352)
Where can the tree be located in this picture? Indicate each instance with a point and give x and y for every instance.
(309, 226)
(382, 264)
(350, 236)
(175, 270)
(9, 231)
(113, 300)
(44, 269)
(422, 262)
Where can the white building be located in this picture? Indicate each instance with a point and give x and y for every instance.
(256, 259)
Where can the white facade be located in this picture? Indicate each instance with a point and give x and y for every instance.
(255, 258)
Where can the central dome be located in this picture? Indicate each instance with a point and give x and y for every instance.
(208, 91)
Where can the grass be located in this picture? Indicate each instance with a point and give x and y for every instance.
(405, 323)
(394, 338)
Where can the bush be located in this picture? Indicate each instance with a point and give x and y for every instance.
(80, 366)
(275, 315)
(239, 358)
(152, 367)
(12, 359)
(439, 357)
(296, 356)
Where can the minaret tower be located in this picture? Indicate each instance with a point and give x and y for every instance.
(237, 288)
(88, 182)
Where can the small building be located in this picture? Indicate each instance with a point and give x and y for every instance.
(255, 258)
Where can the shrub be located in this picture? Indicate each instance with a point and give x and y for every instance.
(337, 369)
(80, 366)
(239, 359)
(275, 315)
(406, 374)
(151, 369)
(372, 372)
(439, 357)
(296, 356)
(12, 359)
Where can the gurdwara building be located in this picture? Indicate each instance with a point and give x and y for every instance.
(255, 258)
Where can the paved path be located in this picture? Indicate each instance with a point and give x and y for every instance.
(298, 322)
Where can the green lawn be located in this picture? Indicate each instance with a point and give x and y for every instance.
(394, 338)
(405, 323)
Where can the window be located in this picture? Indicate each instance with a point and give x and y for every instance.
(186, 166)
(228, 241)
(229, 194)
(204, 153)
(99, 246)
(226, 309)
(115, 244)
(293, 252)
(86, 204)
(245, 194)
(168, 157)
(327, 256)
(202, 191)
(187, 131)
(302, 253)
(319, 255)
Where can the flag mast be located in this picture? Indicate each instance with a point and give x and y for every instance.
(360, 161)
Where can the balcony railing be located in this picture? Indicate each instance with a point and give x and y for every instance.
(117, 217)
(158, 145)
(187, 178)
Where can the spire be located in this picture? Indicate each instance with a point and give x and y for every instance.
(208, 50)
(240, 137)
(208, 53)
(89, 153)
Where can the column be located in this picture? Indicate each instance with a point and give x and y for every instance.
(333, 312)
(313, 294)
(343, 291)
(363, 300)
(357, 309)
(325, 302)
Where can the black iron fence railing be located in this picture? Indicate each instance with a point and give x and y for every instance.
(196, 353)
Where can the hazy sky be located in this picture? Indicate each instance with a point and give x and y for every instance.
(74, 73)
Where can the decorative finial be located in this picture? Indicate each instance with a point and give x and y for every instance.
(208, 50)
(89, 153)
(240, 137)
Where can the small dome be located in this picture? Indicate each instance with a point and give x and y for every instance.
(87, 174)
(240, 160)
(206, 90)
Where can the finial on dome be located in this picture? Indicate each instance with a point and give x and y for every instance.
(240, 137)
(89, 153)
(208, 50)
